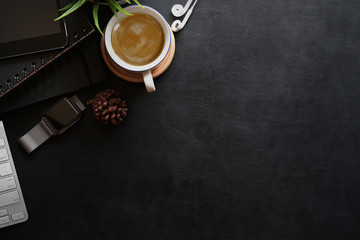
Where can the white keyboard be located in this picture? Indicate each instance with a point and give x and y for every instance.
(12, 205)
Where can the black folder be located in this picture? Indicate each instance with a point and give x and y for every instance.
(31, 78)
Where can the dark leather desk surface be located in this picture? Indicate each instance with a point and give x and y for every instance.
(253, 133)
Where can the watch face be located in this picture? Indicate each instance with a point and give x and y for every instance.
(61, 115)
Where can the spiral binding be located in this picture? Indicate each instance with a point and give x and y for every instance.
(10, 83)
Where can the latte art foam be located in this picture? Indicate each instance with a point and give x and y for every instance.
(137, 39)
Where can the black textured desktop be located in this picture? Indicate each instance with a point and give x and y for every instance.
(253, 133)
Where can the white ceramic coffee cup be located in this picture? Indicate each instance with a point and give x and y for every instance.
(144, 69)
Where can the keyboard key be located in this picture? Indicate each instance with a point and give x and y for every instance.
(9, 198)
(5, 169)
(7, 184)
(3, 212)
(4, 220)
(12, 205)
(3, 154)
(17, 216)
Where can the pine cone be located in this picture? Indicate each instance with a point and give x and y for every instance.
(108, 107)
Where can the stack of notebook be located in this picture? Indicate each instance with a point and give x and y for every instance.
(34, 77)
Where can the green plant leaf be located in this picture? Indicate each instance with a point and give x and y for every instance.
(113, 9)
(138, 3)
(95, 16)
(75, 7)
(115, 6)
(67, 6)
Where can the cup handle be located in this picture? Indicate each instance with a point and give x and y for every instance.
(149, 81)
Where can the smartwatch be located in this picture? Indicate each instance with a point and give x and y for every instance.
(56, 120)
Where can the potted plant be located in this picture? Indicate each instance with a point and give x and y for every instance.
(112, 4)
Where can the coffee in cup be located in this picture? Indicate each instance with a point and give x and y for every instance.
(138, 42)
(137, 39)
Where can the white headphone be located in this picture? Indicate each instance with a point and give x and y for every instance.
(178, 10)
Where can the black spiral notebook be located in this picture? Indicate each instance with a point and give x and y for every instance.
(31, 78)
